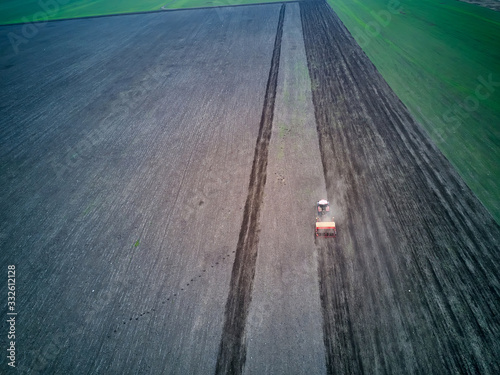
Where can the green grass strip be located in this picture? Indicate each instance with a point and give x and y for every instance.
(441, 57)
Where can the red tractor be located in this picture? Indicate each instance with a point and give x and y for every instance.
(325, 226)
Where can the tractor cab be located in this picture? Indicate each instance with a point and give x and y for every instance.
(325, 226)
(323, 207)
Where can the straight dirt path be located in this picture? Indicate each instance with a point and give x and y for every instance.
(284, 326)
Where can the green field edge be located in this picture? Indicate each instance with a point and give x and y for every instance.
(40, 15)
(441, 60)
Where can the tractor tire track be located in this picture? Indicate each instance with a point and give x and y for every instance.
(411, 284)
(232, 350)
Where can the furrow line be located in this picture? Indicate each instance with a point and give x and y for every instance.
(232, 349)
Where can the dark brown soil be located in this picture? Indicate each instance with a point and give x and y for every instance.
(491, 4)
(411, 284)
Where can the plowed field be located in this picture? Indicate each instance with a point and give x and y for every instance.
(411, 283)
(158, 179)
